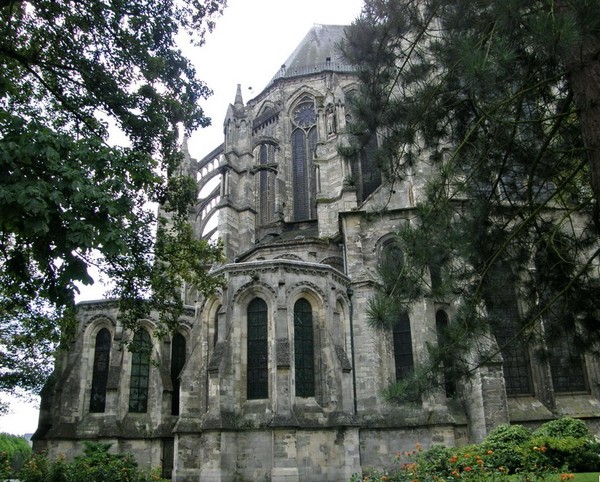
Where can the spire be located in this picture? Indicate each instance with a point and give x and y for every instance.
(239, 103)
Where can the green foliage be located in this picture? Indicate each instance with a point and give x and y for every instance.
(95, 464)
(505, 441)
(14, 451)
(509, 452)
(69, 201)
(564, 427)
(484, 98)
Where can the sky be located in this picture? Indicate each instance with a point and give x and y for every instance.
(250, 42)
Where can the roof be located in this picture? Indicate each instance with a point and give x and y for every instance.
(317, 52)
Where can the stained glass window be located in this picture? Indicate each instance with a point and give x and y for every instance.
(258, 366)
(403, 355)
(304, 142)
(502, 305)
(140, 372)
(567, 367)
(266, 181)
(100, 371)
(177, 362)
(304, 349)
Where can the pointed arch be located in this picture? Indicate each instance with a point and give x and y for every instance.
(304, 142)
(100, 371)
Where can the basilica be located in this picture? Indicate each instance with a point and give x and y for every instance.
(279, 375)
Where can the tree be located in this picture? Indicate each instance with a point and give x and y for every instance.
(68, 199)
(498, 102)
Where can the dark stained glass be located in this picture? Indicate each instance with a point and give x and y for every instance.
(258, 363)
(304, 142)
(100, 371)
(177, 362)
(266, 208)
(502, 305)
(403, 355)
(304, 349)
(140, 372)
(441, 323)
(567, 367)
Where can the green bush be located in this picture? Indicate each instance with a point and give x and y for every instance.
(14, 450)
(506, 444)
(574, 454)
(564, 427)
(96, 464)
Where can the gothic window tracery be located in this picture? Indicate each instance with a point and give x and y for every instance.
(257, 350)
(304, 349)
(100, 371)
(266, 184)
(304, 142)
(140, 372)
(178, 357)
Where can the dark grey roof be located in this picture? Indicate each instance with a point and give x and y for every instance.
(317, 52)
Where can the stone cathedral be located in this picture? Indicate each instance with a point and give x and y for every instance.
(279, 376)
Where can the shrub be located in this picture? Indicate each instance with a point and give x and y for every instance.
(96, 464)
(14, 450)
(506, 444)
(564, 427)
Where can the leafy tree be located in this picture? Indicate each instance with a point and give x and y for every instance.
(497, 104)
(68, 199)
(14, 451)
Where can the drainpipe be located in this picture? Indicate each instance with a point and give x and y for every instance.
(350, 292)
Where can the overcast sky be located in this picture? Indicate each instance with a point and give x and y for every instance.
(250, 42)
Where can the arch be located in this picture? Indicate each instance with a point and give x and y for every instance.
(257, 350)
(253, 288)
(100, 371)
(304, 141)
(304, 363)
(403, 354)
(140, 372)
(178, 359)
(265, 183)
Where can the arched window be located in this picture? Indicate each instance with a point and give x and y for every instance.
(304, 349)
(258, 363)
(266, 184)
(100, 371)
(502, 305)
(403, 355)
(304, 142)
(366, 176)
(441, 324)
(177, 362)
(140, 372)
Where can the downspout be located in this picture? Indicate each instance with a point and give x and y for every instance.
(350, 292)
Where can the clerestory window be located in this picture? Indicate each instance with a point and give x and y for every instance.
(304, 142)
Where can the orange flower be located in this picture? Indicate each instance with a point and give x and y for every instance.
(418, 446)
(468, 469)
(490, 452)
(455, 472)
(453, 459)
